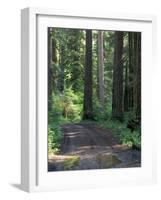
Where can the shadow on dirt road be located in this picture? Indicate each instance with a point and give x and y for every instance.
(86, 146)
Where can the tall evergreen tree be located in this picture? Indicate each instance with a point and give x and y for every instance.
(101, 68)
(126, 90)
(117, 97)
(138, 111)
(137, 75)
(87, 106)
(131, 71)
(50, 69)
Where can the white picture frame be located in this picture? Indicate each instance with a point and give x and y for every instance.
(34, 176)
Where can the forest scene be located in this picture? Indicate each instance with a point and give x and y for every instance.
(94, 99)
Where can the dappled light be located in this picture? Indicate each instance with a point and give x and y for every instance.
(94, 99)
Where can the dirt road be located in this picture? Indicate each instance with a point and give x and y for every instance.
(86, 146)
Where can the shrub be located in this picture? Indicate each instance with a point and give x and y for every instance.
(124, 134)
(62, 108)
(100, 113)
(54, 140)
(67, 105)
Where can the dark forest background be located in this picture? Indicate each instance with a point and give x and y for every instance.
(94, 76)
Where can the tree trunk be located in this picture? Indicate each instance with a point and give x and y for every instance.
(54, 57)
(100, 68)
(117, 98)
(50, 71)
(135, 73)
(126, 91)
(87, 107)
(137, 76)
(138, 111)
(131, 69)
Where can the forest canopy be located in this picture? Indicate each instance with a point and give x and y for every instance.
(94, 75)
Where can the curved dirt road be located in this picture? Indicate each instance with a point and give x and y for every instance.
(86, 146)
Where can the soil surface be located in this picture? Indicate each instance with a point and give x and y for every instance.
(86, 146)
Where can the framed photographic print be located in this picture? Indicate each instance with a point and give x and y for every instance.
(86, 99)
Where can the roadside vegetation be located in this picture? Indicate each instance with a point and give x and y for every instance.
(94, 76)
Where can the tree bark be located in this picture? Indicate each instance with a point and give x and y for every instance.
(54, 57)
(87, 107)
(50, 72)
(135, 74)
(117, 97)
(138, 75)
(135, 51)
(101, 68)
(126, 91)
(131, 70)
(139, 78)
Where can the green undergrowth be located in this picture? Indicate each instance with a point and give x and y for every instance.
(67, 107)
(120, 131)
(63, 108)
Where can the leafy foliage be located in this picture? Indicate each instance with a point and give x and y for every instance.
(66, 84)
(64, 107)
(121, 131)
(54, 139)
